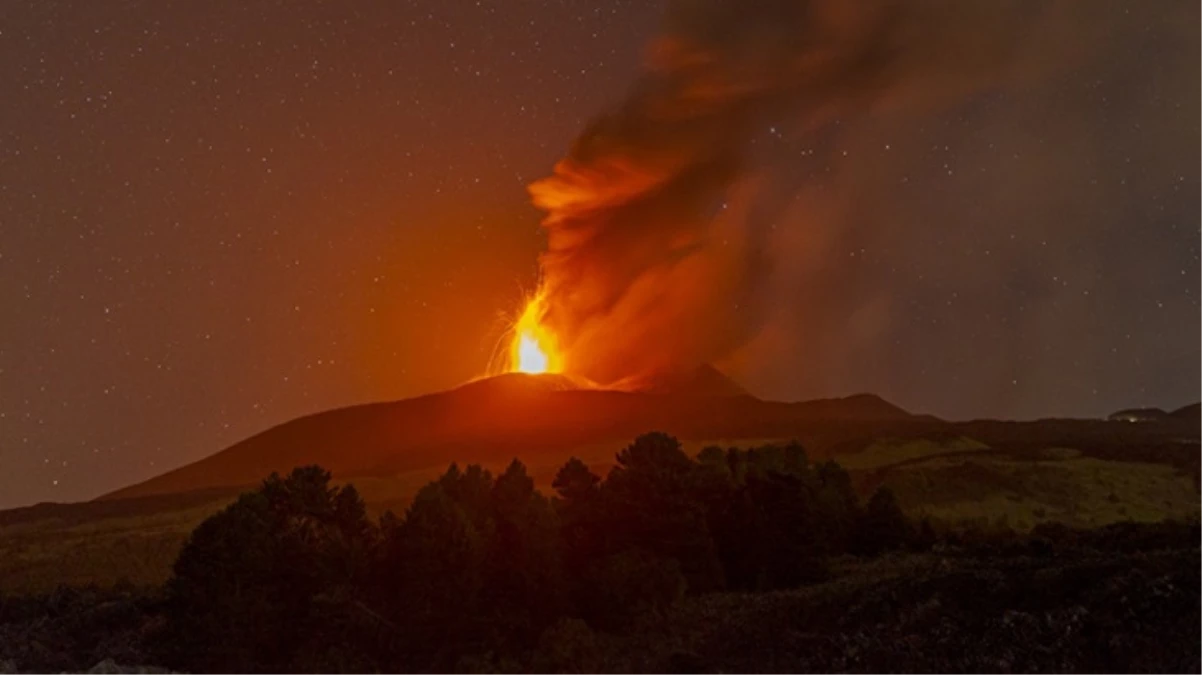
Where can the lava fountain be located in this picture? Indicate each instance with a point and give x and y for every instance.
(533, 348)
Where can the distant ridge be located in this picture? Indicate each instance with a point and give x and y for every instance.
(508, 416)
(1138, 415)
(704, 380)
(1188, 413)
(862, 406)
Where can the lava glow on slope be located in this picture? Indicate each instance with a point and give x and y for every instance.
(534, 348)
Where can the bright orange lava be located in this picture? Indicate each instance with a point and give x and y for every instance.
(534, 348)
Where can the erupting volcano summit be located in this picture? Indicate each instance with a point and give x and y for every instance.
(534, 349)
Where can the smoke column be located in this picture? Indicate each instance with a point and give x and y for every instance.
(664, 220)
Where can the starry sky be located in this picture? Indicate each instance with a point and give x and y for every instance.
(215, 217)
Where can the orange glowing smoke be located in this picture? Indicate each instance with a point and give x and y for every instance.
(534, 348)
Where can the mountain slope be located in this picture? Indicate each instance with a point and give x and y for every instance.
(1189, 413)
(500, 417)
(704, 380)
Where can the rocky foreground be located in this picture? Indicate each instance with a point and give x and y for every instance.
(107, 666)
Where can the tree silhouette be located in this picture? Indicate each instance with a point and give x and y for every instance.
(479, 568)
(244, 584)
(766, 520)
(524, 587)
(581, 518)
(575, 483)
(883, 526)
(623, 585)
(651, 502)
(838, 507)
(436, 559)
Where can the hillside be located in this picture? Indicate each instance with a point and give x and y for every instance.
(704, 380)
(1188, 414)
(1191, 413)
(514, 415)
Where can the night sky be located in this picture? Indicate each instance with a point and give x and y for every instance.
(218, 216)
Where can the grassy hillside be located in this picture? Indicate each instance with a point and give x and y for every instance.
(957, 479)
(42, 553)
(1081, 491)
(887, 452)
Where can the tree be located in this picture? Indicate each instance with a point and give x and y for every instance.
(785, 460)
(567, 646)
(656, 456)
(524, 587)
(883, 526)
(472, 490)
(475, 566)
(624, 585)
(581, 520)
(575, 483)
(651, 502)
(715, 480)
(435, 559)
(245, 582)
(925, 537)
(766, 525)
(838, 507)
(770, 537)
(293, 577)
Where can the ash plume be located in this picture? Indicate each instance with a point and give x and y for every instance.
(664, 220)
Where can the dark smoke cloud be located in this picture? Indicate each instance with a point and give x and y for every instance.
(682, 227)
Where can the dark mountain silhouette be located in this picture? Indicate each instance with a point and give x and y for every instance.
(1138, 415)
(1189, 413)
(521, 415)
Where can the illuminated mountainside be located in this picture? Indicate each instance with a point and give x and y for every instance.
(511, 415)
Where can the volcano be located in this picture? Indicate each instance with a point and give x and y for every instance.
(521, 415)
